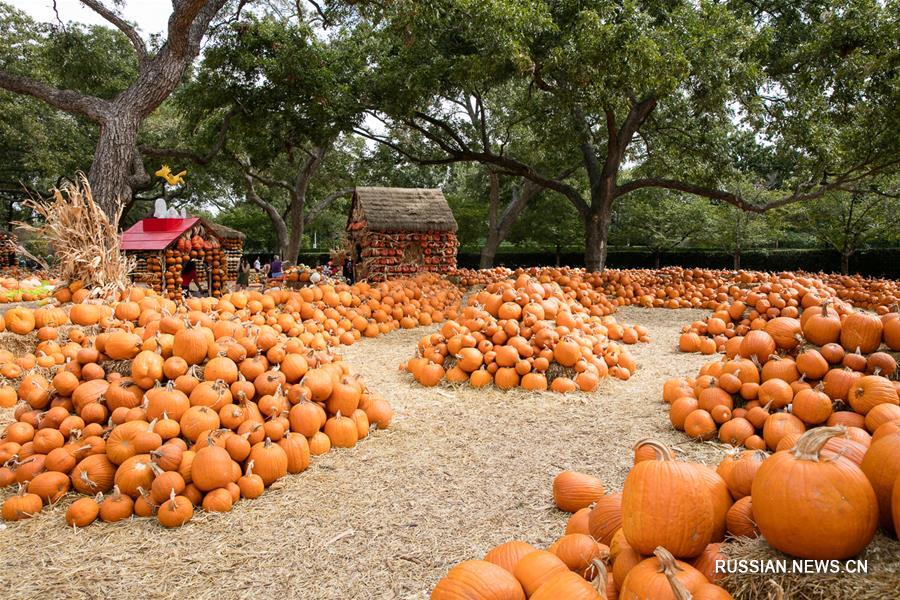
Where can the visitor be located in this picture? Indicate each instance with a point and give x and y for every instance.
(243, 275)
(256, 265)
(275, 269)
(188, 276)
(348, 270)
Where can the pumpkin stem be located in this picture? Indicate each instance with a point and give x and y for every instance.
(601, 579)
(810, 444)
(249, 470)
(669, 567)
(662, 451)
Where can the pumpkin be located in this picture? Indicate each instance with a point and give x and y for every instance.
(508, 554)
(860, 330)
(573, 491)
(23, 505)
(739, 519)
(870, 391)
(270, 461)
(95, 473)
(881, 466)
(606, 518)
(251, 484)
(534, 569)
(82, 512)
(191, 344)
(211, 467)
(661, 578)
(667, 503)
(478, 580)
(579, 551)
(813, 508)
(342, 431)
(116, 507)
(175, 512)
(566, 585)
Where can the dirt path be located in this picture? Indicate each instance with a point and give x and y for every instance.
(458, 472)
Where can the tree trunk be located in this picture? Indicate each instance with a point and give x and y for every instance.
(845, 263)
(736, 256)
(558, 253)
(493, 237)
(657, 259)
(295, 239)
(111, 168)
(596, 236)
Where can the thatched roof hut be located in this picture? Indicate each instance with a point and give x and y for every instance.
(225, 233)
(402, 209)
(400, 231)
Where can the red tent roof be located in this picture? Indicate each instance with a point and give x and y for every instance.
(155, 234)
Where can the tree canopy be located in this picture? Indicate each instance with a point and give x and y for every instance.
(570, 124)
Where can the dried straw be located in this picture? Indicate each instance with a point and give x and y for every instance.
(84, 240)
(881, 580)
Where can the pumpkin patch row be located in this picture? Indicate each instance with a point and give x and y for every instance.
(771, 383)
(221, 397)
(529, 333)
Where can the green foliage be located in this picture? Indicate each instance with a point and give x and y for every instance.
(40, 144)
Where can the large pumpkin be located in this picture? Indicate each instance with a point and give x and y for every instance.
(881, 465)
(478, 580)
(810, 507)
(667, 503)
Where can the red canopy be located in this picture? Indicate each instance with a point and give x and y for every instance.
(155, 234)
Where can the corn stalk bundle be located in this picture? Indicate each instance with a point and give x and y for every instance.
(84, 241)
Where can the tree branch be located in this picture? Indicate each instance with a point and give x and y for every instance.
(70, 101)
(200, 159)
(325, 203)
(123, 26)
(801, 193)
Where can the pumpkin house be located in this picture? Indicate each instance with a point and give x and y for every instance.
(161, 246)
(397, 232)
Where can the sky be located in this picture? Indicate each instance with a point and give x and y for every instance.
(151, 16)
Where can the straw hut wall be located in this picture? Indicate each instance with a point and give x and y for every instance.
(396, 232)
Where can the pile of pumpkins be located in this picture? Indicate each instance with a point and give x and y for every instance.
(475, 277)
(662, 535)
(530, 334)
(770, 306)
(773, 384)
(221, 397)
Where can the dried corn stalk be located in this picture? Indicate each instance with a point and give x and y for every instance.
(84, 241)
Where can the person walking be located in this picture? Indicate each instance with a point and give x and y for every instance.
(256, 265)
(188, 276)
(243, 275)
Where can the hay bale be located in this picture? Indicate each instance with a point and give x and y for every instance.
(881, 580)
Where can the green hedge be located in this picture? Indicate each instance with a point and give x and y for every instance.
(879, 262)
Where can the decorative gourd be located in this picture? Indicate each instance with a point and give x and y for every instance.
(809, 507)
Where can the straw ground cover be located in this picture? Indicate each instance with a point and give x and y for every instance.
(459, 471)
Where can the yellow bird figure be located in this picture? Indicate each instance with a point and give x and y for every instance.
(166, 173)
